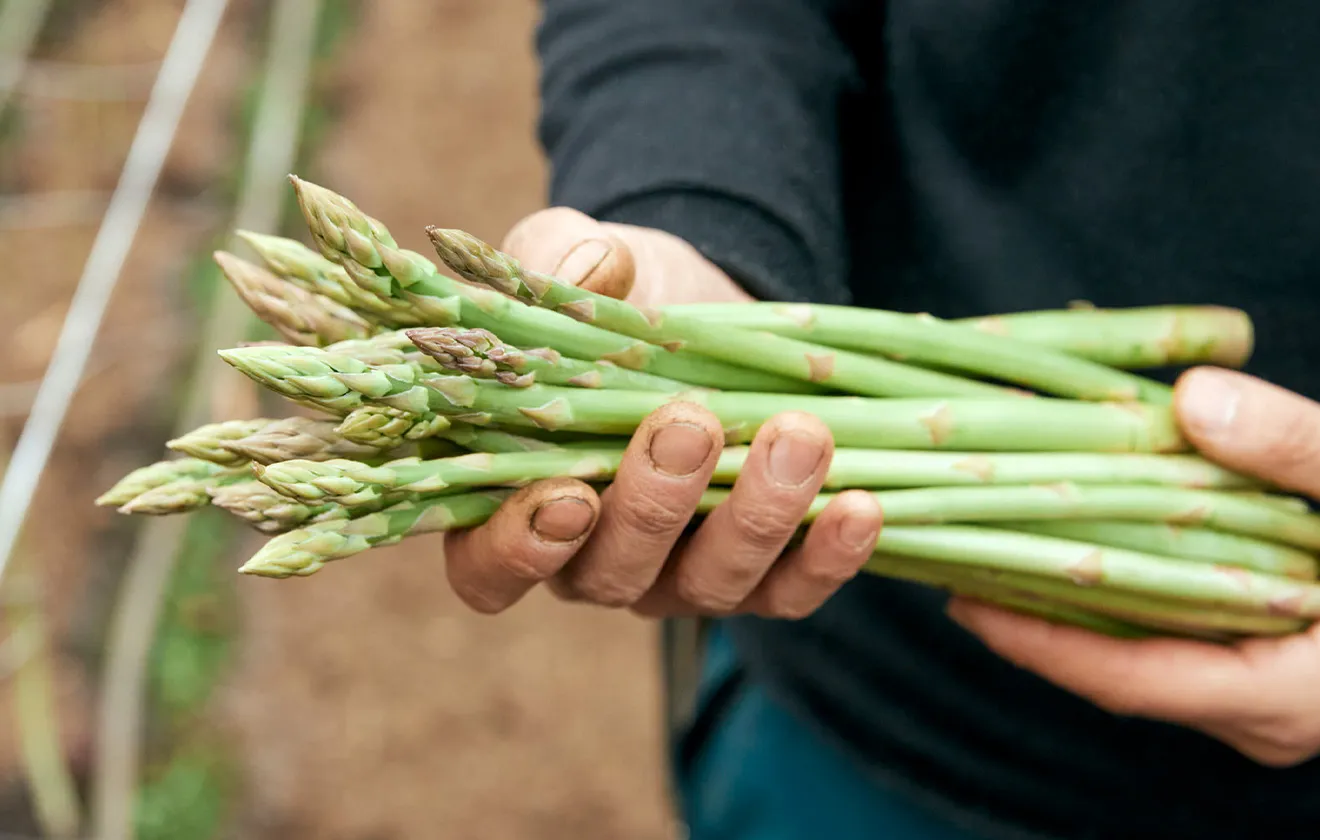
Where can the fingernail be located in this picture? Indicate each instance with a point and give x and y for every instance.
(679, 449)
(562, 520)
(859, 531)
(794, 457)
(579, 263)
(1210, 402)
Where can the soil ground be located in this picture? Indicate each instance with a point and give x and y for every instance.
(365, 703)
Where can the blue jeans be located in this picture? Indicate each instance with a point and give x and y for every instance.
(752, 771)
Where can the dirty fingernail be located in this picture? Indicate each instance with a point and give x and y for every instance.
(562, 520)
(679, 449)
(794, 457)
(579, 263)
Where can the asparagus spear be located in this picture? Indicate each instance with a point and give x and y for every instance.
(923, 340)
(339, 383)
(296, 263)
(1133, 338)
(1235, 590)
(1086, 565)
(1137, 608)
(300, 316)
(386, 427)
(365, 249)
(155, 475)
(1138, 337)
(849, 468)
(268, 511)
(306, 550)
(181, 496)
(1178, 541)
(481, 354)
(352, 482)
(844, 371)
(297, 438)
(208, 442)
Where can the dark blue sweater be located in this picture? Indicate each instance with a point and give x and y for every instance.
(965, 157)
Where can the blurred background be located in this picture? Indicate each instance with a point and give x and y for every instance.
(146, 691)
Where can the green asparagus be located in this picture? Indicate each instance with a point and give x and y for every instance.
(369, 254)
(925, 340)
(300, 316)
(481, 354)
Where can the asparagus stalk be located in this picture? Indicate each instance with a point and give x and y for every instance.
(1026, 603)
(155, 475)
(306, 550)
(267, 511)
(181, 496)
(923, 340)
(385, 427)
(1085, 567)
(365, 249)
(1137, 337)
(300, 316)
(481, 354)
(1134, 338)
(1200, 544)
(1140, 609)
(849, 468)
(297, 264)
(208, 442)
(297, 438)
(340, 383)
(352, 482)
(478, 262)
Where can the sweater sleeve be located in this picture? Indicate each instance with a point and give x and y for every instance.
(714, 120)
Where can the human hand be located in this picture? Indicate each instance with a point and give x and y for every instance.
(629, 546)
(1260, 696)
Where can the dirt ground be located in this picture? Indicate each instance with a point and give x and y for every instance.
(366, 702)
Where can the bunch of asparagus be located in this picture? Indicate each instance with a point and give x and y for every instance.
(1021, 458)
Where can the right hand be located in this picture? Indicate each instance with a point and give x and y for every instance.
(629, 546)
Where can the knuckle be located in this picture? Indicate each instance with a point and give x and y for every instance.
(826, 572)
(762, 526)
(788, 606)
(649, 516)
(719, 591)
(609, 588)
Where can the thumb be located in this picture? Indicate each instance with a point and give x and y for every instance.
(574, 248)
(1251, 426)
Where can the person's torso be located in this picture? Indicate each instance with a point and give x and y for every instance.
(1023, 155)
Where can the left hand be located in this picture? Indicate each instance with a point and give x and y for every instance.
(1260, 696)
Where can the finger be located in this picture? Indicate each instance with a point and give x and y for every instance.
(575, 248)
(1169, 679)
(532, 535)
(652, 498)
(834, 550)
(1252, 427)
(741, 539)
